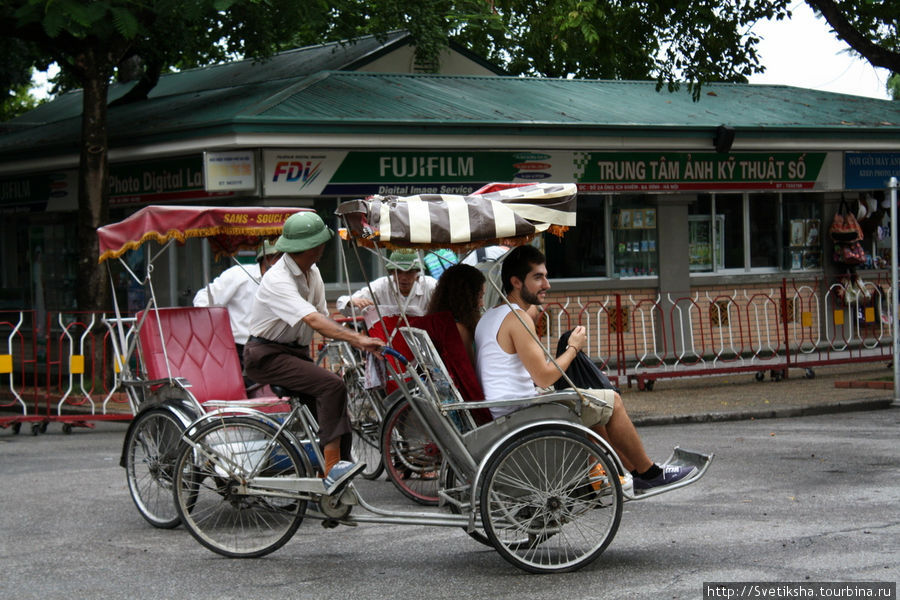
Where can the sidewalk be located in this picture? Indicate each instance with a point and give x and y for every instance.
(740, 396)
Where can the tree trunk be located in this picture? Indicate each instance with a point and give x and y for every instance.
(93, 200)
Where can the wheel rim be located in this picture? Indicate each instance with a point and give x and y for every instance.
(412, 458)
(365, 420)
(150, 465)
(208, 488)
(547, 503)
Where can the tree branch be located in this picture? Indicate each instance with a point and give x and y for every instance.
(877, 55)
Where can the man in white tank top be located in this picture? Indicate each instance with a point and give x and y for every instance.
(510, 363)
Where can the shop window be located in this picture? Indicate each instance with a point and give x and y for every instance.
(764, 230)
(53, 261)
(802, 236)
(731, 208)
(634, 239)
(581, 252)
(339, 253)
(754, 232)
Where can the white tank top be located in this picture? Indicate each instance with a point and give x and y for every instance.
(502, 375)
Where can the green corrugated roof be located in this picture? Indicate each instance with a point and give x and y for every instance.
(515, 100)
(256, 100)
(291, 64)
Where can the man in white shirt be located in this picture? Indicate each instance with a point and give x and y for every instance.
(235, 289)
(510, 363)
(288, 310)
(403, 286)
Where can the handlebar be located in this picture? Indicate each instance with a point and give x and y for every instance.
(388, 351)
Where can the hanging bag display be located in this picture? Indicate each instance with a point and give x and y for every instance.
(850, 254)
(845, 228)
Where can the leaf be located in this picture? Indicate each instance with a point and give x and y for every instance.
(126, 23)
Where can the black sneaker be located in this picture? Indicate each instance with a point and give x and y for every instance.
(668, 476)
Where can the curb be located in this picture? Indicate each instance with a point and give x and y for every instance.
(775, 413)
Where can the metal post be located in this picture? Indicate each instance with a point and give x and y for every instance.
(895, 293)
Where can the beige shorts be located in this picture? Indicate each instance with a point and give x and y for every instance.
(597, 407)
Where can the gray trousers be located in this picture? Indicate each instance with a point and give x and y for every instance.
(291, 367)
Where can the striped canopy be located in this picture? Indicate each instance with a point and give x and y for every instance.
(497, 214)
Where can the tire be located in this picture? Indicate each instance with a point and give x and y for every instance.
(365, 418)
(411, 458)
(207, 474)
(151, 448)
(538, 508)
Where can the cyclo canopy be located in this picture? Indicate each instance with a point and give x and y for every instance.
(497, 214)
(229, 229)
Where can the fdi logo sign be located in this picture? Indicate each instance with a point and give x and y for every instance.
(298, 174)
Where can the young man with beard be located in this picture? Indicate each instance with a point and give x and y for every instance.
(510, 363)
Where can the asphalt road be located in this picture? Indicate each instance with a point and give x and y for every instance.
(799, 499)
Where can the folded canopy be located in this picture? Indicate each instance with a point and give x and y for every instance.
(497, 214)
(230, 228)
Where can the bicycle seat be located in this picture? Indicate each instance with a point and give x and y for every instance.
(283, 392)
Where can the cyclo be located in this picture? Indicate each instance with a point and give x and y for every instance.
(178, 363)
(527, 483)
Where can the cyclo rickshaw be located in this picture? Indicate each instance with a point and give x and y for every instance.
(177, 363)
(542, 489)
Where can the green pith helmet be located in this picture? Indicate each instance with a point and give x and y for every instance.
(403, 260)
(267, 248)
(302, 231)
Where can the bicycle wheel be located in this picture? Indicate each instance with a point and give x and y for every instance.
(211, 501)
(151, 448)
(411, 458)
(552, 488)
(365, 419)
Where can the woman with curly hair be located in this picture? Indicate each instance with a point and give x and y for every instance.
(460, 291)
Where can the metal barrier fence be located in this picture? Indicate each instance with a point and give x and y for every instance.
(715, 331)
(61, 367)
(56, 369)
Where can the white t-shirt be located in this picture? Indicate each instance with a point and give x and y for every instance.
(285, 296)
(234, 289)
(502, 375)
(386, 293)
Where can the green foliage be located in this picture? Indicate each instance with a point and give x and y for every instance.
(17, 101)
(893, 86)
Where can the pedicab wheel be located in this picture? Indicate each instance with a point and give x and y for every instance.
(212, 501)
(411, 458)
(548, 503)
(151, 448)
(449, 482)
(366, 424)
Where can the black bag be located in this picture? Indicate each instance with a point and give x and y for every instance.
(583, 372)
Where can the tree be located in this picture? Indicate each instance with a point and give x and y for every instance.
(93, 41)
(893, 86)
(870, 28)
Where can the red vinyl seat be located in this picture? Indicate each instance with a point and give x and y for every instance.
(200, 348)
(441, 328)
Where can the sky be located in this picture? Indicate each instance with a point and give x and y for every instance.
(802, 52)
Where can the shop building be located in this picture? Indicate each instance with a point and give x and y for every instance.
(676, 196)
